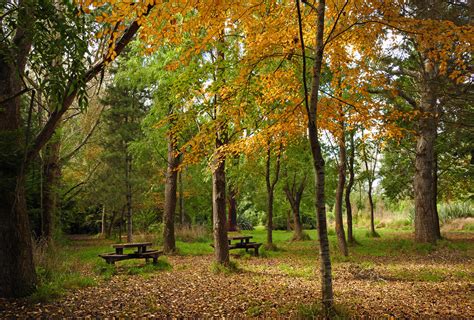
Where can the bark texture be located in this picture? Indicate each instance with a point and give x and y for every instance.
(426, 226)
(341, 181)
(221, 245)
(232, 215)
(17, 276)
(169, 242)
(350, 184)
(294, 193)
(128, 190)
(52, 176)
(318, 160)
(270, 183)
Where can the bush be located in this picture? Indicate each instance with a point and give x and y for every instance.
(198, 233)
(455, 210)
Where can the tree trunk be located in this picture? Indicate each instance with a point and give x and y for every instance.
(52, 176)
(425, 225)
(289, 227)
(341, 181)
(318, 160)
(350, 184)
(270, 192)
(232, 219)
(169, 243)
(111, 225)
(370, 180)
(270, 217)
(221, 245)
(294, 196)
(128, 185)
(182, 216)
(435, 197)
(371, 205)
(17, 276)
(102, 222)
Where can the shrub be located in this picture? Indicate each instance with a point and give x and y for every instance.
(197, 233)
(455, 210)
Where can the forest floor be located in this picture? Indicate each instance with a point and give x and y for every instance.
(382, 277)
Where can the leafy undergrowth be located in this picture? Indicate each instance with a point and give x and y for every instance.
(382, 277)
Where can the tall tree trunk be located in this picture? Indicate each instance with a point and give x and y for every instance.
(219, 221)
(341, 181)
(128, 185)
(294, 195)
(350, 184)
(425, 225)
(270, 191)
(17, 275)
(370, 179)
(232, 215)
(169, 243)
(182, 217)
(289, 227)
(371, 205)
(52, 176)
(221, 245)
(111, 225)
(435, 197)
(102, 222)
(318, 160)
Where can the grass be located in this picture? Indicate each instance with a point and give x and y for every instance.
(75, 263)
(229, 269)
(314, 311)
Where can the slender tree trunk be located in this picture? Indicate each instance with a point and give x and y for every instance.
(102, 224)
(169, 243)
(52, 176)
(294, 196)
(270, 217)
(350, 184)
(318, 160)
(128, 185)
(341, 181)
(111, 225)
(289, 227)
(270, 192)
(371, 205)
(182, 218)
(232, 219)
(435, 197)
(370, 179)
(17, 269)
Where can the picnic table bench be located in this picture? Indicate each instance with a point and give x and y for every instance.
(243, 242)
(140, 253)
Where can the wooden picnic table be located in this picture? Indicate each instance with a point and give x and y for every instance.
(141, 252)
(243, 239)
(141, 246)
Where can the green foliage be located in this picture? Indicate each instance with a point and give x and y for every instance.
(455, 210)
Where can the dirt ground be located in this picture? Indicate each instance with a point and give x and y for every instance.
(434, 286)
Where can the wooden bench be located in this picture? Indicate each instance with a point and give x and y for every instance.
(243, 243)
(246, 246)
(141, 253)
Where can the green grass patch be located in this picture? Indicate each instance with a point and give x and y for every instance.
(231, 268)
(161, 265)
(315, 311)
(297, 272)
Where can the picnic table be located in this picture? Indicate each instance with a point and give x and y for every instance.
(141, 252)
(243, 242)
